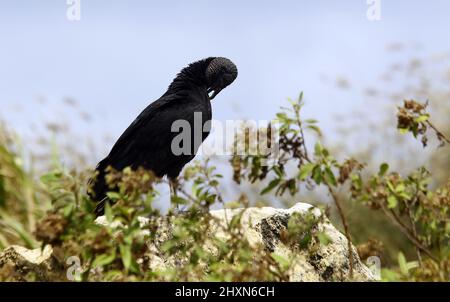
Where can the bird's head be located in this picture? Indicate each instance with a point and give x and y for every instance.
(220, 73)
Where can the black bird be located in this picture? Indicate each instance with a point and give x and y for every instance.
(147, 142)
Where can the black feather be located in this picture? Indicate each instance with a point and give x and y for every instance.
(147, 141)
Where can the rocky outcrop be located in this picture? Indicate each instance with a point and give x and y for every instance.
(321, 262)
(20, 264)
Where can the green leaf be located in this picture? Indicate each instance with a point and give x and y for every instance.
(134, 267)
(305, 240)
(383, 169)
(68, 209)
(405, 266)
(125, 252)
(318, 149)
(390, 186)
(422, 118)
(392, 202)
(402, 264)
(306, 170)
(233, 205)
(317, 175)
(329, 177)
(412, 265)
(389, 275)
(51, 177)
(324, 238)
(282, 262)
(278, 171)
(177, 200)
(281, 115)
(235, 221)
(113, 195)
(104, 259)
(214, 183)
(404, 195)
(108, 212)
(400, 188)
(315, 129)
(356, 181)
(271, 186)
(18, 228)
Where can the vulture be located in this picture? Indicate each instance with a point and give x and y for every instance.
(148, 141)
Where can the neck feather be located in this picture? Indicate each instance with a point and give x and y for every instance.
(194, 73)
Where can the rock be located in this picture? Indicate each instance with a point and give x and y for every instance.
(21, 264)
(261, 226)
(320, 262)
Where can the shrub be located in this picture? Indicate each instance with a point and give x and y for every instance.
(117, 249)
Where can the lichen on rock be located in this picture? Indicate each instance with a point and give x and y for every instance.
(315, 250)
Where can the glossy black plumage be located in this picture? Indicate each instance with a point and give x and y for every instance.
(147, 141)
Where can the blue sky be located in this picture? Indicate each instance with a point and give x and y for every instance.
(122, 55)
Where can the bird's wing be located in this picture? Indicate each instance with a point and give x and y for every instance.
(150, 131)
(144, 117)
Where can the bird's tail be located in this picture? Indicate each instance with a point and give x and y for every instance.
(98, 188)
(100, 207)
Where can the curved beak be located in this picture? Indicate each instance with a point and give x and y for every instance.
(215, 91)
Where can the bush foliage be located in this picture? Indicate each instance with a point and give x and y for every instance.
(54, 208)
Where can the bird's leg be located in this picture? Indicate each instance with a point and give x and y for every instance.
(173, 183)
